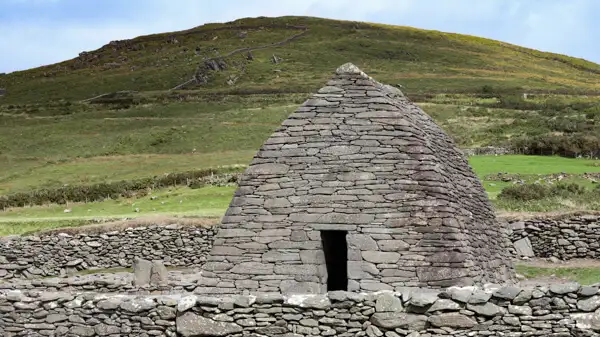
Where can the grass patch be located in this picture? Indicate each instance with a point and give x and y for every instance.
(212, 201)
(30, 226)
(585, 276)
(531, 165)
(206, 202)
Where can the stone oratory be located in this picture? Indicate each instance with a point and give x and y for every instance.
(357, 190)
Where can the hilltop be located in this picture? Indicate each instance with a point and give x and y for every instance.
(305, 49)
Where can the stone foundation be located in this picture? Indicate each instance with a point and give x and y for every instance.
(558, 310)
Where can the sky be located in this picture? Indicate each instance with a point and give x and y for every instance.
(40, 32)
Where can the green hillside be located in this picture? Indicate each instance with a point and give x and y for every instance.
(56, 131)
(423, 61)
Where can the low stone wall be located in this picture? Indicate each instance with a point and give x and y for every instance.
(53, 254)
(96, 284)
(488, 150)
(565, 239)
(59, 254)
(558, 310)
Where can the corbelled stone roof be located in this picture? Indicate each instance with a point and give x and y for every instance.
(360, 157)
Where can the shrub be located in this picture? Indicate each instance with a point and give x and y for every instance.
(525, 192)
(529, 192)
(196, 184)
(487, 89)
(566, 190)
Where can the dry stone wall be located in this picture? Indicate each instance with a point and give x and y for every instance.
(565, 239)
(59, 254)
(557, 311)
(487, 150)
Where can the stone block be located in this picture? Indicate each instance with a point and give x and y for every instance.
(253, 268)
(142, 270)
(523, 247)
(278, 256)
(380, 257)
(159, 275)
(361, 241)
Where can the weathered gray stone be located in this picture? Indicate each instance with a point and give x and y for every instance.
(159, 274)
(361, 241)
(523, 247)
(507, 293)
(452, 320)
(590, 304)
(267, 169)
(138, 305)
(424, 298)
(387, 302)
(520, 310)
(254, 268)
(488, 309)
(443, 305)
(83, 331)
(393, 320)
(191, 325)
(141, 271)
(54, 318)
(110, 303)
(186, 303)
(106, 330)
(380, 257)
(565, 288)
(392, 245)
(588, 291)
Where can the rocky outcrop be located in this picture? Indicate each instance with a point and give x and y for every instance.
(565, 238)
(560, 310)
(59, 254)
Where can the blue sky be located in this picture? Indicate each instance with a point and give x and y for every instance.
(39, 32)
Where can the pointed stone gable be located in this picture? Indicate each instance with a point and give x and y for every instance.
(357, 157)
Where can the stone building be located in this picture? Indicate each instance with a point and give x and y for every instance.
(358, 190)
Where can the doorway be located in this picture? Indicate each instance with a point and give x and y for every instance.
(335, 249)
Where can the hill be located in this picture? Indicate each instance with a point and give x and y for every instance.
(110, 115)
(422, 61)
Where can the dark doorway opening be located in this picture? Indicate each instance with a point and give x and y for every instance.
(335, 248)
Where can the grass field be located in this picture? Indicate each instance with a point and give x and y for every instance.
(212, 201)
(583, 275)
(107, 145)
(529, 168)
(208, 201)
